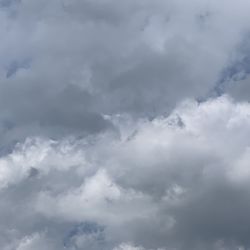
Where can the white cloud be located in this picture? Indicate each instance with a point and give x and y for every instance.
(97, 199)
(168, 178)
(128, 247)
(40, 155)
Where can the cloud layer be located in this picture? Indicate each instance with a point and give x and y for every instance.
(176, 182)
(66, 63)
(124, 125)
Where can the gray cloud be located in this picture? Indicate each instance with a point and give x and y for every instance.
(165, 186)
(65, 64)
(103, 144)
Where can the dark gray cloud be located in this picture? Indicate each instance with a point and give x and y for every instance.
(103, 146)
(136, 57)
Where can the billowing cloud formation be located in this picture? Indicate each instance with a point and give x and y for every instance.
(64, 64)
(176, 182)
(124, 125)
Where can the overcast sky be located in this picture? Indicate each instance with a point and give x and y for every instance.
(124, 125)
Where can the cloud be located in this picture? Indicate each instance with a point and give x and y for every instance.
(167, 185)
(66, 64)
(127, 247)
(124, 124)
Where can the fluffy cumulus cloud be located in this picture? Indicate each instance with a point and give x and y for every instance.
(124, 125)
(175, 182)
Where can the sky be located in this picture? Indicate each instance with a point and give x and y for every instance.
(124, 125)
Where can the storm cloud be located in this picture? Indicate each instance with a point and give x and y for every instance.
(124, 125)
